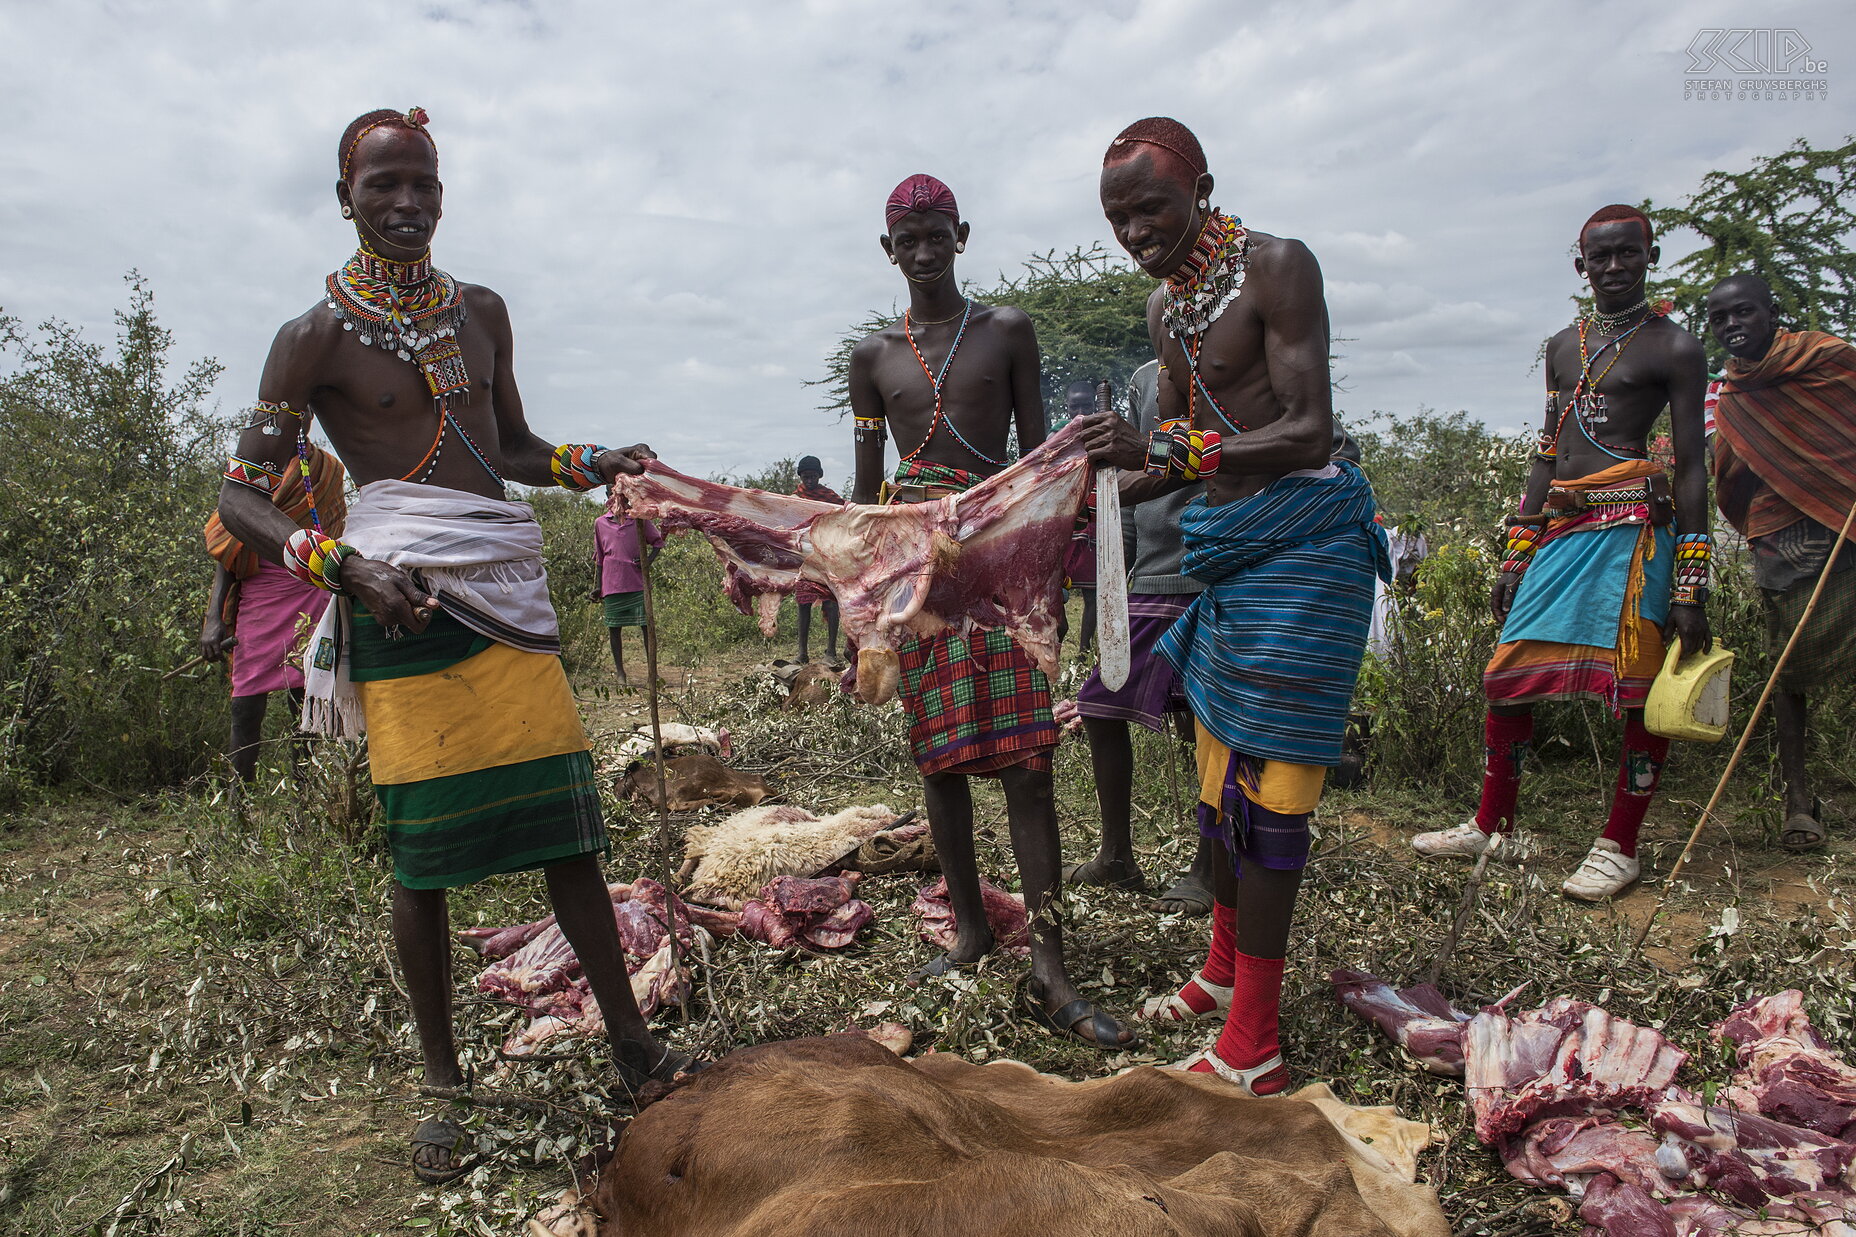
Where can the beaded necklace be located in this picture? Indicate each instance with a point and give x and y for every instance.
(1206, 284)
(1587, 400)
(935, 380)
(1209, 279)
(410, 308)
(414, 310)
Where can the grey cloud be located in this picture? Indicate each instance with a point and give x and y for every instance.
(681, 203)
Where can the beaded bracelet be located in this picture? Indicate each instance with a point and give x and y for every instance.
(1523, 541)
(1694, 559)
(868, 426)
(253, 474)
(316, 559)
(1177, 451)
(573, 467)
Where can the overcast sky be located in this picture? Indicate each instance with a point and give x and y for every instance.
(681, 203)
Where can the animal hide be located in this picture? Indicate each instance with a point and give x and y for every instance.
(938, 1147)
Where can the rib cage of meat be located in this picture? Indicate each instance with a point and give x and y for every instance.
(1567, 1057)
(990, 557)
(1574, 1098)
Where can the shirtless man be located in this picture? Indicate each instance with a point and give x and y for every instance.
(1594, 578)
(950, 380)
(1283, 541)
(440, 637)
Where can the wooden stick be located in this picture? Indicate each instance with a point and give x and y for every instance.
(198, 659)
(1171, 739)
(1471, 888)
(1759, 709)
(657, 728)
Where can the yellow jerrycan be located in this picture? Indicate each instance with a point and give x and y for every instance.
(1689, 698)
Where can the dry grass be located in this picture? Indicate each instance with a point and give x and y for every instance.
(201, 1030)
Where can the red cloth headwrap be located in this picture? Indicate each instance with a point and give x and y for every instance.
(919, 192)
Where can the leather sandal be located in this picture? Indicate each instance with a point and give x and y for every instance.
(1104, 1032)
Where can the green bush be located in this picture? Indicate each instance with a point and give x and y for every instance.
(112, 464)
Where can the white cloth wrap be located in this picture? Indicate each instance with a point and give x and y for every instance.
(481, 557)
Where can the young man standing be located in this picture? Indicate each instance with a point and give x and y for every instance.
(812, 485)
(1785, 476)
(950, 381)
(440, 639)
(1283, 540)
(621, 550)
(1157, 595)
(1595, 577)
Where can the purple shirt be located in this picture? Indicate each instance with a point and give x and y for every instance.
(615, 553)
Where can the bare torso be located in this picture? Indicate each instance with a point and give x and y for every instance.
(1263, 361)
(376, 408)
(991, 384)
(1635, 384)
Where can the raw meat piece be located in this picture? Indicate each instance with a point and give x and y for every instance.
(544, 976)
(1787, 1070)
(542, 965)
(1566, 1058)
(1419, 1019)
(819, 912)
(645, 918)
(1568, 1151)
(1005, 914)
(657, 981)
(839, 928)
(989, 557)
(794, 895)
(1753, 1158)
(1619, 1209)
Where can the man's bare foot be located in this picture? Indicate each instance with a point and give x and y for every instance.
(1057, 1007)
(1108, 873)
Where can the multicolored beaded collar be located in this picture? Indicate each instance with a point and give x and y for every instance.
(1210, 278)
(415, 310)
(410, 308)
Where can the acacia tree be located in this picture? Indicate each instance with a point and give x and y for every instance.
(1787, 219)
(1089, 308)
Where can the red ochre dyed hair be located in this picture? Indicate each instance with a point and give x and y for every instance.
(1176, 153)
(1619, 214)
(920, 192)
(413, 121)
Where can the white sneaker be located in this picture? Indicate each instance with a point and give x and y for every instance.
(1465, 841)
(1606, 872)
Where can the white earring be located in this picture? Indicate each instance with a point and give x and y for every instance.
(892, 259)
(960, 246)
(1205, 204)
(347, 212)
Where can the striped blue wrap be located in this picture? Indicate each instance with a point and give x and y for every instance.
(1270, 651)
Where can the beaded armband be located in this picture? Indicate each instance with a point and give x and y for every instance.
(572, 466)
(870, 427)
(1178, 451)
(1523, 540)
(315, 559)
(1694, 558)
(253, 474)
(264, 416)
